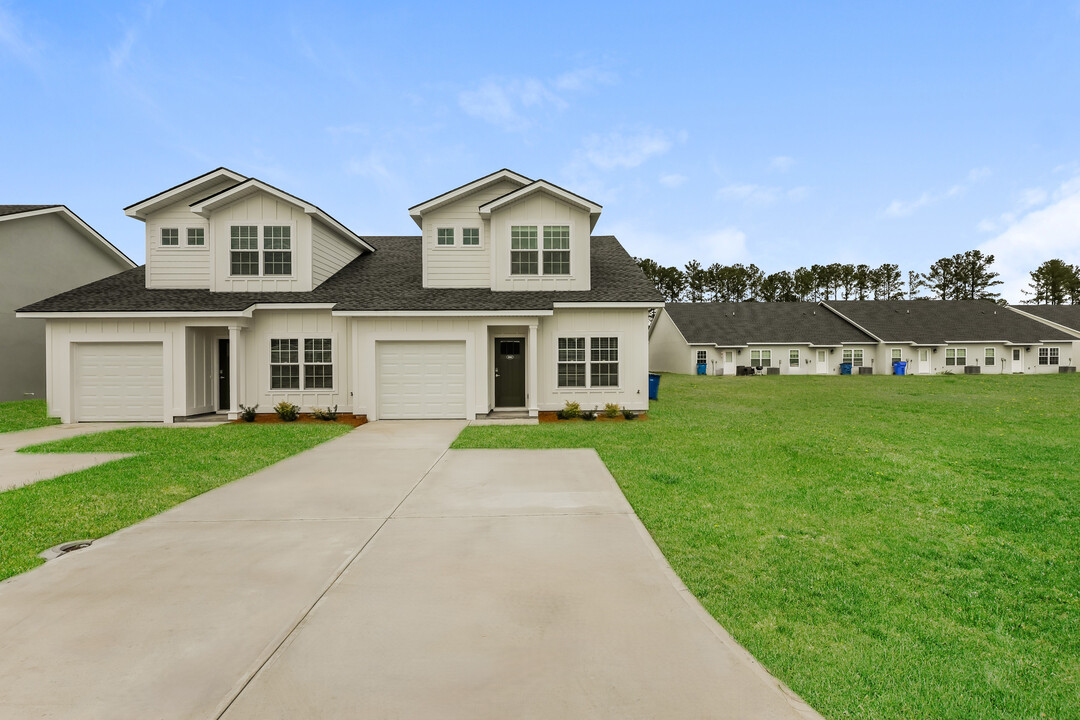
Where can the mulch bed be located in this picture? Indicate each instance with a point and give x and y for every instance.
(342, 419)
(547, 416)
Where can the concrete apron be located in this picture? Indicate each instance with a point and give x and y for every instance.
(370, 578)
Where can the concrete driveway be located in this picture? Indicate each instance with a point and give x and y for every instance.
(379, 576)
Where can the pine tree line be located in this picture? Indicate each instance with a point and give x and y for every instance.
(964, 276)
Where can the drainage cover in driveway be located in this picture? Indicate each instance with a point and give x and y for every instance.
(64, 548)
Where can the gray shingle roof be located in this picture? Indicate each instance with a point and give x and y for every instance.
(388, 279)
(15, 209)
(737, 324)
(1066, 315)
(934, 322)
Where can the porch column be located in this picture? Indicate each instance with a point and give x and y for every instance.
(530, 371)
(234, 372)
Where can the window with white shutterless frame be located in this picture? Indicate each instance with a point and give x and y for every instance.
(302, 362)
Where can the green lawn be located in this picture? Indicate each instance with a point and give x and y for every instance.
(24, 415)
(889, 547)
(172, 465)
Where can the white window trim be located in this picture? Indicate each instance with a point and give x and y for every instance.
(181, 237)
(261, 249)
(540, 254)
(956, 352)
(300, 338)
(862, 357)
(1050, 352)
(588, 387)
(797, 357)
(992, 354)
(761, 358)
(701, 357)
(896, 355)
(453, 237)
(459, 237)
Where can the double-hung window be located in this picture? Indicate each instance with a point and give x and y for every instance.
(277, 250)
(556, 249)
(956, 357)
(444, 237)
(701, 357)
(604, 362)
(988, 358)
(897, 355)
(761, 358)
(313, 370)
(470, 237)
(1049, 356)
(793, 358)
(524, 258)
(571, 363)
(244, 249)
(853, 356)
(170, 237)
(196, 236)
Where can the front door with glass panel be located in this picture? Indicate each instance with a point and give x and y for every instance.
(924, 361)
(510, 372)
(729, 362)
(822, 362)
(1018, 360)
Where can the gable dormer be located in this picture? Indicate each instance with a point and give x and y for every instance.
(228, 233)
(507, 232)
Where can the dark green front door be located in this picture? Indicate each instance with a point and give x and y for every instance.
(509, 372)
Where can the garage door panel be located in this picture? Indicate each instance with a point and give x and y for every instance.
(420, 380)
(117, 382)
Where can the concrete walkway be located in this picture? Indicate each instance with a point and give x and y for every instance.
(379, 576)
(17, 470)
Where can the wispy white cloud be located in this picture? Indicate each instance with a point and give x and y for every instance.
(1040, 234)
(672, 180)
(754, 195)
(781, 163)
(1025, 200)
(120, 53)
(625, 149)
(725, 246)
(14, 40)
(904, 208)
(512, 103)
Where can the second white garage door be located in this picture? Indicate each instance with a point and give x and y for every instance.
(420, 380)
(118, 382)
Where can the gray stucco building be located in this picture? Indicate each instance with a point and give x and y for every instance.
(44, 250)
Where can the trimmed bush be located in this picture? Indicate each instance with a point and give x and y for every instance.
(287, 411)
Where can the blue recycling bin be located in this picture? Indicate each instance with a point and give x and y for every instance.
(899, 368)
(845, 368)
(701, 367)
(654, 386)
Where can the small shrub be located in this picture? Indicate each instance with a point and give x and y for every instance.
(247, 414)
(571, 411)
(629, 414)
(287, 411)
(326, 414)
(588, 414)
(612, 410)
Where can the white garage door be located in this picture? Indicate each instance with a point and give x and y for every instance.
(118, 382)
(420, 380)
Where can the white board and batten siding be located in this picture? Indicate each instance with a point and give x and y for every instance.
(329, 253)
(260, 209)
(461, 265)
(541, 209)
(116, 382)
(420, 379)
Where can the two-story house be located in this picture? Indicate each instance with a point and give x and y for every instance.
(250, 296)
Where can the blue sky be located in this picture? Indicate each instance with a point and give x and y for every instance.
(776, 133)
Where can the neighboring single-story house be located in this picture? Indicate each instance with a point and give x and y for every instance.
(796, 338)
(936, 336)
(932, 336)
(251, 296)
(44, 250)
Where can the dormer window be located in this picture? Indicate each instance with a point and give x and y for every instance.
(556, 249)
(524, 255)
(445, 236)
(470, 236)
(170, 237)
(276, 246)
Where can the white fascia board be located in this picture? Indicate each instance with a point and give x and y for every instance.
(139, 315)
(610, 305)
(79, 224)
(416, 212)
(544, 186)
(252, 185)
(290, 306)
(140, 209)
(441, 313)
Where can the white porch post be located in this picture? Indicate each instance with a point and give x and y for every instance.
(530, 370)
(234, 372)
